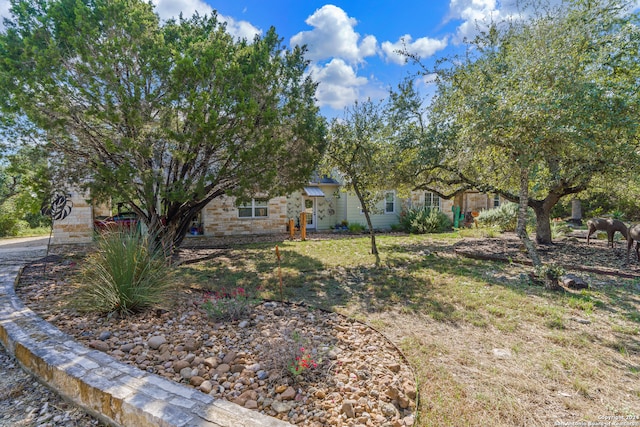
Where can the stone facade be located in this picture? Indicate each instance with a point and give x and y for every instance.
(220, 218)
(418, 200)
(77, 227)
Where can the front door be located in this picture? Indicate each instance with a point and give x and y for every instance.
(310, 209)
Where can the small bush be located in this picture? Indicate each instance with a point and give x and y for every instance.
(10, 224)
(559, 229)
(233, 305)
(424, 220)
(37, 220)
(504, 217)
(126, 274)
(296, 356)
(356, 227)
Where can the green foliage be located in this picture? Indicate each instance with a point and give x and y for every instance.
(517, 112)
(24, 184)
(36, 220)
(424, 220)
(504, 217)
(126, 274)
(560, 229)
(10, 224)
(356, 227)
(233, 305)
(359, 150)
(200, 114)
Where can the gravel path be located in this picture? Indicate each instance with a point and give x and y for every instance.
(24, 402)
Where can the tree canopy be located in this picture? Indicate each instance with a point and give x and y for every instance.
(359, 151)
(537, 109)
(167, 116)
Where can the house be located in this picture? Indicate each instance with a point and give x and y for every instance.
(324, 200)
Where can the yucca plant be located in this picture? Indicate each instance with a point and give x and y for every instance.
(127, 274)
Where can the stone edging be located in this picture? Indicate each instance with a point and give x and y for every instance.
(114, 392)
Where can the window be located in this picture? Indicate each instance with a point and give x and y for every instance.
(431, 201)
(496, 200)
(256, 208)
(389, 202)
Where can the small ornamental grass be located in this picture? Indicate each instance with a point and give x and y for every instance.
(126, 274)
(233, 305)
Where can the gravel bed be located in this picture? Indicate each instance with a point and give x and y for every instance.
(351, 374)
(24, 402)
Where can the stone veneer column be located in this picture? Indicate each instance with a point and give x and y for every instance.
(77, 227)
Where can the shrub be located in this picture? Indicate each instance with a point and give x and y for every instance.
(232, 305)
(127, 274)
(559, 229)
(504, 217)
(424, 220)
(10, 224)
(356, 227)
(36, 220)
(295, 355)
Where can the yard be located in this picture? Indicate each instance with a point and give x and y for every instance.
(487, 346)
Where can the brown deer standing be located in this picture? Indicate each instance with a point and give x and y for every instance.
(608, 225)
(633, 234)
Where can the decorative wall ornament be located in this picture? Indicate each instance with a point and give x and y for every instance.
(60, 206)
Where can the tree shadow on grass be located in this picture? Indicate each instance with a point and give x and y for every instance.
(415, 276)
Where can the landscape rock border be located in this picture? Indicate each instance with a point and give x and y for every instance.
(113, 392)
(347, 407)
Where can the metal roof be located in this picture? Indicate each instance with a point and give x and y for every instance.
(313, 192)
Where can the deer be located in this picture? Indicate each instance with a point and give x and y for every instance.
(633, 234)
(608, 225)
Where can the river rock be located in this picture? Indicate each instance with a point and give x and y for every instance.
(156, 341)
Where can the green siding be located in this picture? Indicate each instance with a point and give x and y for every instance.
(382, 221)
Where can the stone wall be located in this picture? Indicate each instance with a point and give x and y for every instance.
(77, 227)
(220, 218)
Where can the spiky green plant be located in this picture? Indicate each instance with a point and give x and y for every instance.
(127, 274)
(424, 220)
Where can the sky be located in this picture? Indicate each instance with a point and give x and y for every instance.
(352, 45)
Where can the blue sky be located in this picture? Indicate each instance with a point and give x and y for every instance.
(352, 44)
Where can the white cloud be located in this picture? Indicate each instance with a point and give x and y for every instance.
(333, 36)
(339, 85)
(423, 47)
(240, 29)
(476, 15)
(168, 9)
(473, 13)
(334, 39)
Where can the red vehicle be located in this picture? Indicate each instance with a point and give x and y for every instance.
(122, 221)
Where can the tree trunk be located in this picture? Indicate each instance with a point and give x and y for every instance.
(367, 216)
(521, 228)
(374, 248)
(543, 224)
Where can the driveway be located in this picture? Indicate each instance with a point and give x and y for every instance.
(19, 250)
